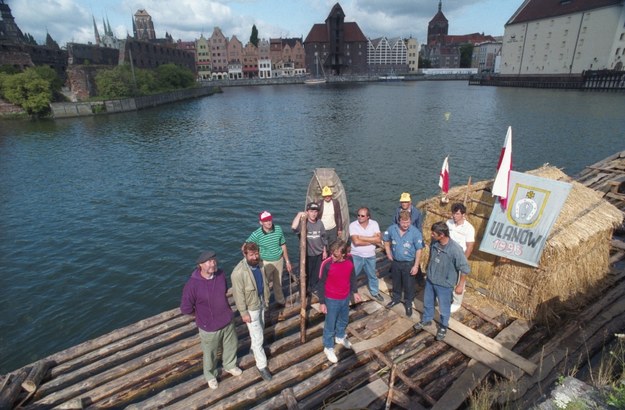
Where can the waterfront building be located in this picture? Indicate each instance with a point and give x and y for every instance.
(234, 52)
(250, 61)
(143, 26)
(203, 58)
(16, 52)
(444, 50)
(340, 46)
(563, 37)
(287, 56)
(219, 54)
(485, 56)
(264, 59)
(412, 58)
(386, 55)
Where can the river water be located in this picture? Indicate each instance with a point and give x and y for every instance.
(102, 218)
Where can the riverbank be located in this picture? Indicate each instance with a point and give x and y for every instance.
(88, 108)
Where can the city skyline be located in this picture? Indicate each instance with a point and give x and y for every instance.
(71, 20)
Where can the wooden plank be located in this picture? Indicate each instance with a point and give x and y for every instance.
(484, 342)
(399, 328)
(476, 372)
(362, 397)
(615, 243)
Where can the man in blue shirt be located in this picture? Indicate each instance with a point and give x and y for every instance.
(447, 261)
(403, 243)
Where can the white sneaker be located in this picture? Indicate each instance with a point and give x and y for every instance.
(330, 355)
(343, 341)
(212, 383)
(235, 371)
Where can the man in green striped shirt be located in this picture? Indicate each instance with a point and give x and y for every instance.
(270, 239)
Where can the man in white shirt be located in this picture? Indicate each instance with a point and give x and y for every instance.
(462, 232)
(365, 235)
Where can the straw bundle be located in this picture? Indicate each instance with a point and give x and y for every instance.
(574, 260)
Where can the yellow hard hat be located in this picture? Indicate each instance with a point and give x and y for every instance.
(326, 191)
(405, 197)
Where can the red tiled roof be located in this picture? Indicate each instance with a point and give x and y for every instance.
(542, 9)
(473, 38)
(319, 34)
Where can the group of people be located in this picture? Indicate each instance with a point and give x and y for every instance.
(332, 267)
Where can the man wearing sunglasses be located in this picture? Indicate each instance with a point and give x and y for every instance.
(365, 235)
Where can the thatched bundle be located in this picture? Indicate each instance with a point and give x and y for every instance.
(574, 260)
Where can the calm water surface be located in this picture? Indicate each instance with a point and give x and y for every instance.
(102, 218)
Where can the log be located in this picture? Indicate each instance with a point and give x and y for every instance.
(113, 380)
(125, 357)
(281, 366)
(303, 225)
(36, 374)
(615, 243)
(391, 384)
(126, 342)
(481, 315)
(476, 372)
(603, 317)
(289, 399)
(90, 345)
(12, 388)
(316, 384)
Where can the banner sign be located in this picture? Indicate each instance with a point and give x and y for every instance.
(520, 231)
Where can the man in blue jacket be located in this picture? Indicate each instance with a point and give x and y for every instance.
(447, 261)
(204, 296)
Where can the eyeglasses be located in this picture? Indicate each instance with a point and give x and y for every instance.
(362, 216)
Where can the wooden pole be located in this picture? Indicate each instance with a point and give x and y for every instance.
(303, 225)
(466, 193)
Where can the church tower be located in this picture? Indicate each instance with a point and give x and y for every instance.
(438, 27)
(143, 26)
(9, 31)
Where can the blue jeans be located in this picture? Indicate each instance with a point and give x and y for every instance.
(368, 265)
(336, 320)
(444, 296)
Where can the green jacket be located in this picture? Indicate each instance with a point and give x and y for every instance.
(244, 289)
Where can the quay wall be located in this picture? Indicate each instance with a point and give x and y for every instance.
(78, 109)
(599, 80)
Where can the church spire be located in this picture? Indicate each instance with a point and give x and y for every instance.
(440, 5)
(95, 30)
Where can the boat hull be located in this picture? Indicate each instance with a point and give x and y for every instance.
(328, 177)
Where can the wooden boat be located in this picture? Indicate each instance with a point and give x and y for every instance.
(328, 177)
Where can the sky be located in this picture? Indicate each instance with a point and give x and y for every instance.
(71, 20)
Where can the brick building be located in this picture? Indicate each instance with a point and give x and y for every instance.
(340, 46)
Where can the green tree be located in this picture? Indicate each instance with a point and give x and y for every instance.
(171, 77)
(8, 69)
(29, 91)
(47, 73)
(115, 83)
(254, 36)
(466, 55)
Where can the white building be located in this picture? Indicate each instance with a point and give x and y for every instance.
(485, 56)
(561, 37)
(387, 55)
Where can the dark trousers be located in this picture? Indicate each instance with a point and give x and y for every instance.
(313, 265)
(403, 281)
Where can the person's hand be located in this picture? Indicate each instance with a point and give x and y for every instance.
(389, 256)
(459, 289)
(289, 268)
(414, 270)
(323, 308)
(246, 318)
(357, 298)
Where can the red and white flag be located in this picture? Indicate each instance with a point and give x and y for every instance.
(502, 180)
(443, 180)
